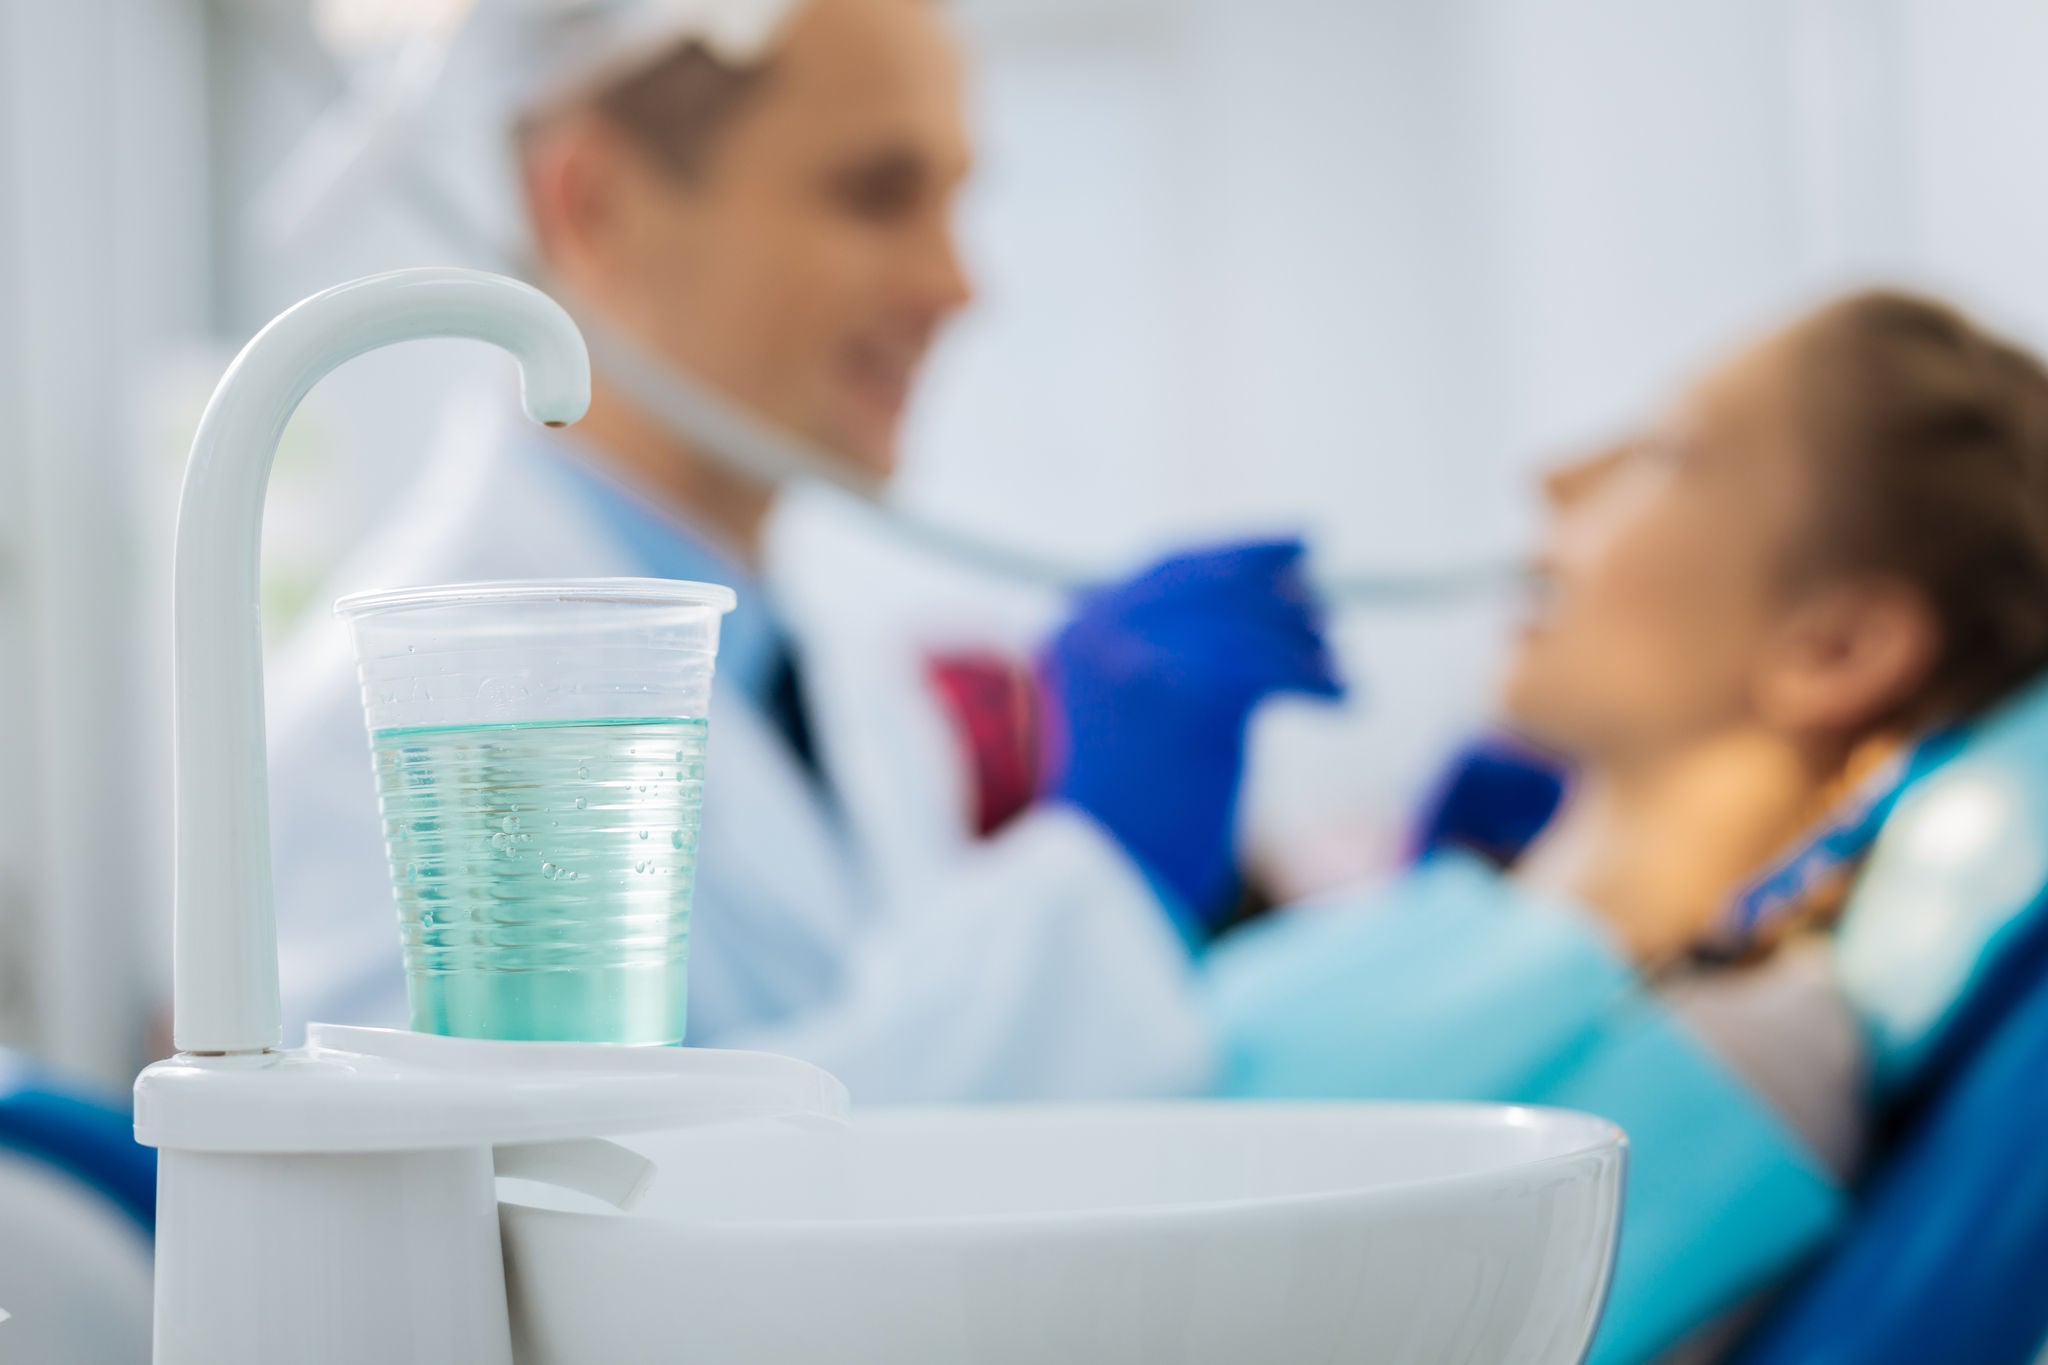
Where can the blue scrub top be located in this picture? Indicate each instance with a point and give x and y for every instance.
(752, 641)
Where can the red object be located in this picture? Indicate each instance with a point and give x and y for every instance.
(993, 703)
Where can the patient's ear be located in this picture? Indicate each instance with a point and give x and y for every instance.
(1848, 656)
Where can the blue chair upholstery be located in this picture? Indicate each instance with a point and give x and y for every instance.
(1948, 1259)
(1944, 949)
(1937, 940)
(89, 1138)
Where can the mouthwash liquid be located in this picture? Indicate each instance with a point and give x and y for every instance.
(544, 872)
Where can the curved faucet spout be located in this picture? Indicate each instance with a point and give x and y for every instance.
(225, 951)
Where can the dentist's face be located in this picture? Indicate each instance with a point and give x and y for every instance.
(1663, 575)
(808, 268)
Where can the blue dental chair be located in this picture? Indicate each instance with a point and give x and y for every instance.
(89, 1138)
(77, 1205)
(1947, 1258)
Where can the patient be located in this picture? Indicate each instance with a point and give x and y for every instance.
(1836, 544)
(1747, 624)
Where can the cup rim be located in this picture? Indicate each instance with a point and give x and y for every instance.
(635, 591)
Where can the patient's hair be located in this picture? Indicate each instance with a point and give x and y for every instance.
(1934, 431)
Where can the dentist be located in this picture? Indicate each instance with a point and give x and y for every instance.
(983, 888)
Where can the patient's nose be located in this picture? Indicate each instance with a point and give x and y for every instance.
(1567, 483)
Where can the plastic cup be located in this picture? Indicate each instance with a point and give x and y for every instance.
(539, 755)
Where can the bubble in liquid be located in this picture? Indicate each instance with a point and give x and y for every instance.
(509, 824)
(643, 867)
(676, 838)
(550, 871)
(581, 803)
(643, 834)
(582, 771)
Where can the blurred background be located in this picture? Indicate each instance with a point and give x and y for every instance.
(1355, 269)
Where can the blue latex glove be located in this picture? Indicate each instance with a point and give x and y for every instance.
(1150, 689)
(1493, 800)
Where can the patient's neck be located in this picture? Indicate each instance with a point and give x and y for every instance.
(1727, 768)
(1654, 844)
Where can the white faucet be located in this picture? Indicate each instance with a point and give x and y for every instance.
(335, 1204)
(225, 956)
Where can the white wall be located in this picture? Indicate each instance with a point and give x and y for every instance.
(102, 265)
(1973, 153)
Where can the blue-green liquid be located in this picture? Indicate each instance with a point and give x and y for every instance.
(544, 873)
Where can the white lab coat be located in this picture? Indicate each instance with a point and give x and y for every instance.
(874, 938)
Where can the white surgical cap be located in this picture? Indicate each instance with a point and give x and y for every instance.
(437, 85)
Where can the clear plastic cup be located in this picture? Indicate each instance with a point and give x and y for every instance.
(539, 751)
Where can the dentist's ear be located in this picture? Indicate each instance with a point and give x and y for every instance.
(566, 176)
(1849, 656)
(588, 191)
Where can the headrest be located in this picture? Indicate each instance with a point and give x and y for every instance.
(1957, 878)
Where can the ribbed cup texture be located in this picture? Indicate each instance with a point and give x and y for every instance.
(544, 872)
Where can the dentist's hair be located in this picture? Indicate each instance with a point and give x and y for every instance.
(1934, 434)
(676, 108)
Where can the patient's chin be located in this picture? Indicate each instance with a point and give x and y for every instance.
(1544, 712)
(1526, 690)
